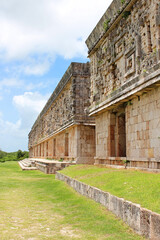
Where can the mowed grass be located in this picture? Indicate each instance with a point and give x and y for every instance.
(133, 185)
(35, 206)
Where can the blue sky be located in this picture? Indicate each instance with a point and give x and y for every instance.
(38, 41)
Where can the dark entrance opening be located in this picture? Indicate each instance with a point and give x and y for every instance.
(46, 149)
(66, 144)
(54, 147)
(121, 135)
(40, 150)
(117, 134)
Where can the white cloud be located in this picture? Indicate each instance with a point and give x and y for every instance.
(12, 137)
(32, 86)
(37, 69)
(29, 106)
(7, 84)
(48, 27)
(36, 66)
(10, 82)
(29, 100)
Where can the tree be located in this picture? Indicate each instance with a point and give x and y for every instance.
(2, 154)
(19, 154)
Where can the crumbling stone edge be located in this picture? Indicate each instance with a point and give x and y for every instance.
(141, 220)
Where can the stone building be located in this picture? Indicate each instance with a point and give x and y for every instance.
(63, 130)
(124, 50)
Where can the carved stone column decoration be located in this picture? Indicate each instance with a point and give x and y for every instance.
(130, 63)
(113, 77)
(158, 30)
(138, 52)
(149, 37)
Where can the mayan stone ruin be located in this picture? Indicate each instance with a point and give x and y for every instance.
(120, 95)
(63, 129)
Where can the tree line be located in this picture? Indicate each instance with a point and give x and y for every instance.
(13, 156)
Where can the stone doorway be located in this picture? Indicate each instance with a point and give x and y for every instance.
(121, 135)
(66, 144)
(40, 150)
(117, 138)
(43, 149)
(46, 149)
(54, 147)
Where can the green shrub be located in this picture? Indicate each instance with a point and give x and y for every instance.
(21, 155)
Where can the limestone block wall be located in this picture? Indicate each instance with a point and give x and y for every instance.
(143, 127)
(102, 134)
(60, 144)
(75, 143)
(85, 144)
(54, 147)
(141, 134)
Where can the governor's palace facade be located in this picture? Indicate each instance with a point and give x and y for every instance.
(108, 111)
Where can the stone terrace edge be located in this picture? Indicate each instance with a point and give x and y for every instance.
(143, 221)
(70, 72)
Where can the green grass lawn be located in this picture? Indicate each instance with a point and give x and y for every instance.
(35, 206)
(133, 185)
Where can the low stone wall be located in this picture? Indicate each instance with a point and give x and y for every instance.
(142, 221)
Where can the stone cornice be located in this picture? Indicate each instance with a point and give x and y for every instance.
(113, 15)
(63, 128)
(128, 90)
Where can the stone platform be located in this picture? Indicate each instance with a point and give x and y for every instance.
(141, 164)
(44, 165)
(51, 166)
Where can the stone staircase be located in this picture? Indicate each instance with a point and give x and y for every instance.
(44, 165)
(27, 164)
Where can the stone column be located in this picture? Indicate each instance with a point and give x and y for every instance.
(149, 42)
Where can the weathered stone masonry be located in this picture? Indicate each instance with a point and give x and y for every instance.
(63, 128)
(124, 49)
(141, 220)
(122, 93)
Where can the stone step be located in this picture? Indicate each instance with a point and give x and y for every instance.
(26, 160)
(23, 167)
(26, 164)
